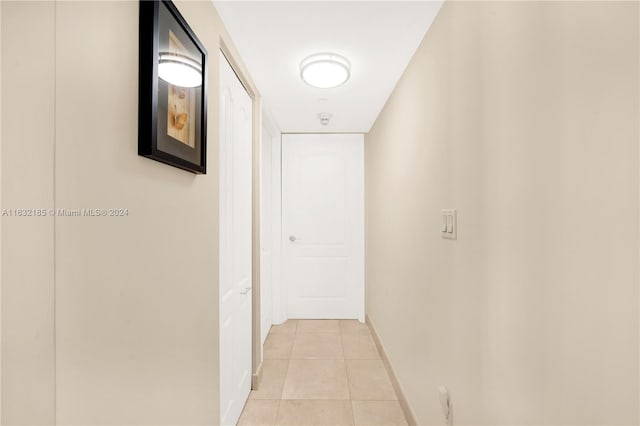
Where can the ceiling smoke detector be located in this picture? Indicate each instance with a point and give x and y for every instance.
(324, 117)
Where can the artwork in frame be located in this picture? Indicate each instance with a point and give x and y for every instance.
(172, 98)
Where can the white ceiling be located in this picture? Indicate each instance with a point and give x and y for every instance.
(378, 37)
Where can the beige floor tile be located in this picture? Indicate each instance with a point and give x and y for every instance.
(278, 346)
(359, 346)
(314, 412)
(274, 371)
(317, 346)
(368, 380)
(378, 413)
(353, 326)
(286, 327)
(316, 379)
(259, 413)
(318, 326)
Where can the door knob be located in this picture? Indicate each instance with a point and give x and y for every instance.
(246, 290)
(292, 238)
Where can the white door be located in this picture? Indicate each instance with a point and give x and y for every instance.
(266, 258)
(323, 225)
(235, 245)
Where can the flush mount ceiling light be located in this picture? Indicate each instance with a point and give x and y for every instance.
(325, 70)
(179, 70)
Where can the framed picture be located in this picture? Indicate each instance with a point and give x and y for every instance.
(172, 98)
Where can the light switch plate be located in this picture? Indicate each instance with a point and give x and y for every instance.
(450, 231)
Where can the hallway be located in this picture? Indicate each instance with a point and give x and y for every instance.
(178, 176)
(322, 372)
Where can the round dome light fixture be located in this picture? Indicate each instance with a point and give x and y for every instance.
(325, 70)
(179, 70)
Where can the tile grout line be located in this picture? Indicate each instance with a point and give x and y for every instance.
(286, 372)
(275, 421)
(341, 336)
(346, 373)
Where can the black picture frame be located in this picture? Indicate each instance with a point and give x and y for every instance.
(160, 137)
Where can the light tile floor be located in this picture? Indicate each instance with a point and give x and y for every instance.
(322, 372)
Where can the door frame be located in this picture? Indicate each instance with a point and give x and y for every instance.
(245, 79)
(283, 297)
(272, 138)
(278, 289)
(235, 195)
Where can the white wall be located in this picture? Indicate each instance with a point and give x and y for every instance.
(525, 117)
(27, 242)
(0, 219)
(136, 297)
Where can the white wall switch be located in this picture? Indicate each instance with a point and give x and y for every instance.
(449, 228)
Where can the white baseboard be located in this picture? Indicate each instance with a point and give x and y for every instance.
(402, 399)
(256, 378)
